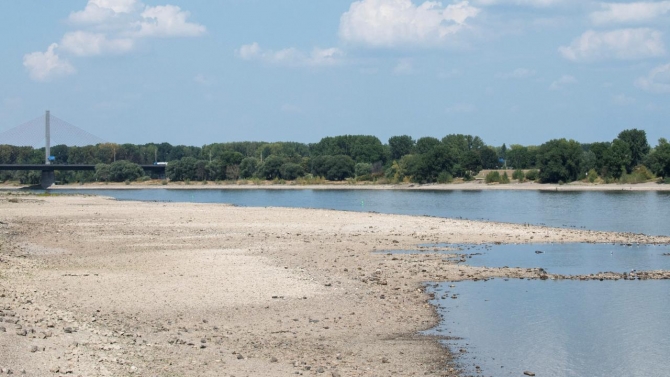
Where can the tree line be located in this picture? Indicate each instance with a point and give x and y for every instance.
(628, 157)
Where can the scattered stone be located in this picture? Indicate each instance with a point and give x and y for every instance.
(239, 356)
(34, 349)
(3, 329)
(273, 359)
(527, 373)
(335, 374)
(21, 332)
(385, 360)
(320, 370)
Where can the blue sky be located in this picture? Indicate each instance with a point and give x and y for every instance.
(200, 71)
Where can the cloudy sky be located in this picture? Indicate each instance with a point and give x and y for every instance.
(202, 71)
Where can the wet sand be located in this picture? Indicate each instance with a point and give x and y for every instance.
(97, 287)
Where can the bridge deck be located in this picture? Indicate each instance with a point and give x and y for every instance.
(42, 167)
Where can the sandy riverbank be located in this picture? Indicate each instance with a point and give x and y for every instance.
(97, 287)
(468, 186)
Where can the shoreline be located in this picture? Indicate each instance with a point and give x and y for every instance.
(466, 186)
(208, 289)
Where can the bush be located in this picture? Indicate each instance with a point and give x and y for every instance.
(164, 182)
(519, 175)
(667, 181)
(467, 176)
(639, 175)
(592, 175)
(505, 178)
(533, 175)
(492, 177)
(444, 177)
(363, 168)
(291, 171)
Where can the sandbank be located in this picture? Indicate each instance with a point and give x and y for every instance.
(97, 287)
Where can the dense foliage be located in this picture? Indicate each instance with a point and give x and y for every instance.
(628, 158)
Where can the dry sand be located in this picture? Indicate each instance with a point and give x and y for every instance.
(91, 286)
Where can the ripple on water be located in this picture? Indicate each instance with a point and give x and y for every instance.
(557, 328)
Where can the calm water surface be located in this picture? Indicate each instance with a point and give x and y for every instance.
(558, 328)
(637, 212)
(568, 258)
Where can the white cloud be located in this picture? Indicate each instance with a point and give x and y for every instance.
(390, 23)
(167, 21)
(657, 81)
(292, 56)
(561, 83)
(112, 27)
(635, 12)
(202, 80)
(404, 67)
(83, 43)
(626, 44)
(623, 100)
(100, 11)
(519, 73)
(532, 3)
(43, 66)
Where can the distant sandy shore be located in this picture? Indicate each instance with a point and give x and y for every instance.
(92, 286)
(466, 186)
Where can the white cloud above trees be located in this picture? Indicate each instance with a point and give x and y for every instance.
(657, 81)
(292, 56)
(634, 12)
(110, 27)
(623, 44)
(393, 23)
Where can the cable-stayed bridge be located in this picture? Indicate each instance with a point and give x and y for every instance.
(45, 131)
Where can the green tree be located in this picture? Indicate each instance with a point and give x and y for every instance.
(400, 146)
(271, 167)
(248, 167)
(559, 160)
(362, 169)
(102, 172)
(637, 142)
(426, 144)
(489, 158)
(659, 159)
(437, 160)
(617, 159)
(120, 171)
(291, 171)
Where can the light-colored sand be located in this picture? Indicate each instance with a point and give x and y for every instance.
(114, 288)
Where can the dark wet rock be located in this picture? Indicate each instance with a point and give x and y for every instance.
(527, 373)
(539, 252)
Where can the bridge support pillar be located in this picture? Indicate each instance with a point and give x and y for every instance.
(48, 179)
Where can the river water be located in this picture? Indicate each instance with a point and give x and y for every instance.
(621, 211)
(506, 327)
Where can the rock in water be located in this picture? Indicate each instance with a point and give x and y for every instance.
(527, 373)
